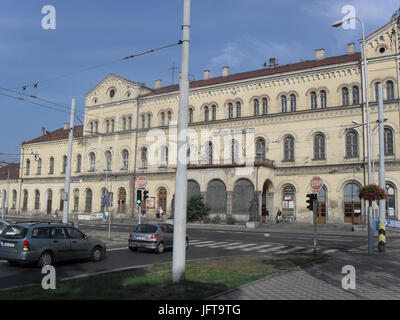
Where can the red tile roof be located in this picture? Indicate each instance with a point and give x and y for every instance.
(14, 172)
(262, 72)
(59, 134)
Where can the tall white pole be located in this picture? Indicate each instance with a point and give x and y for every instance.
(179, 250)
(68, 169)
(382, 173)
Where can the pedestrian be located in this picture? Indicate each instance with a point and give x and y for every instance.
(278, 216)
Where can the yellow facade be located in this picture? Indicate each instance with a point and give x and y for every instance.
(123, 117)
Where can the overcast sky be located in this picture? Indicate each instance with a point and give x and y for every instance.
(241, 34)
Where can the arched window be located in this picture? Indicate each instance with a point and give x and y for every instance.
(260, 149)
(124, 123)
(389, 90)
(238, 110)
(292, 102)
(108, 160)
(208, 155)
(143, 163)
(92, 161)
(51, 165)
(64, 165)
(351, 144)
(230, 110)
(388, 142)
(234, 151)
(190, 115)
(39, 167)
(169, 113)
(149, 121)
(125, 160)
(352, 203)
(96, 126)
(91, 127)
(213, 112)
(88, 200)
(284, 104)
(265, 105)
(256, 104)
(313, 100)
(319, 147)
(76, 200)
(28, 167)
(288, 200)
(79, 163)
(143, 121)
(345, 96)
(129, 123)
(164, 156)
(107, 126)
(25, 201)
(162, 115)
(391, 208)
(288, 152)
(37, 200)
(356, 95)
(323, 99)
(14, 199)
(206, 114)
(112, 125)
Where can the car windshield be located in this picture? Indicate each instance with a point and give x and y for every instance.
(146, 228)
(14, 232)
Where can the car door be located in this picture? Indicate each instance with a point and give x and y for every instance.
(170, 234)
(79, 243)
(60, 243)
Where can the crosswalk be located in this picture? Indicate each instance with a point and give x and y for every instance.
(274, 248)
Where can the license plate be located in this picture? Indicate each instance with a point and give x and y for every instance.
(141, 238)
(9, 244)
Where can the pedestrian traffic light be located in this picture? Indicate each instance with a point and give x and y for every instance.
(311, 197)
(145, 195)
(139, 196)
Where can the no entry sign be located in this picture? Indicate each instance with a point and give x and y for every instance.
(142, 182)
(316, 183)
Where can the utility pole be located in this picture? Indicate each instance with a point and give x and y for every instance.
(179, 250)
(68, 170)
(382, 173)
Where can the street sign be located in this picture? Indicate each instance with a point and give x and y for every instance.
(76, 180)
(64, 196)
(142, 182)
(394, 224)
(316, 183)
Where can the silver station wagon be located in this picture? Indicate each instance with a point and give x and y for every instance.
(46, 243)
(156, 237)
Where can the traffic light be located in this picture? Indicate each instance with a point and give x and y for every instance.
(36, 156)
(139, 196)
(145, 196)
(311, 197)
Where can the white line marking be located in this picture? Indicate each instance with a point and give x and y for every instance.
(330, 251)
(115, 249)
(242, 246)
(207, 244)
(290, 250)
(227, 244)
(258, 247)
(272, 249)
(194, 241)
(202, 242)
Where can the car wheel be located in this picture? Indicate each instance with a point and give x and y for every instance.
(46, 258)
(160, 247)
(97, 254)
(13, 263)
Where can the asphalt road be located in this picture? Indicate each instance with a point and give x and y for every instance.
(204, 243)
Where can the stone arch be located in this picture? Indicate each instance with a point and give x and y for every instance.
(193, 188)
(243, 194)
(217, 197)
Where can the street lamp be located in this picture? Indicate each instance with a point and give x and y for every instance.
(366, 94)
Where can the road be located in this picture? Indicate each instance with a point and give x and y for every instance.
(204, 243)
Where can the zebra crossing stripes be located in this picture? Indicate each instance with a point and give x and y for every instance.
(258, 247)
(227, 244)
(241, 246)
(271, 249)
(208, 244)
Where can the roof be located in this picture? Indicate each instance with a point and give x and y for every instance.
(14, 171)
(59, 134)
(309, 64)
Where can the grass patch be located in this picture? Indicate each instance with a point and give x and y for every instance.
(203, 278)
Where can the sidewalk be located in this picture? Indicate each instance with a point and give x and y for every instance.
(377, 278)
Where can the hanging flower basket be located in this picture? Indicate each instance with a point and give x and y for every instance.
(372, 192)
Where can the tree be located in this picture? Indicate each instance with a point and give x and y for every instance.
(196, 209)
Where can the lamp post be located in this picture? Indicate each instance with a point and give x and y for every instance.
(366, 96)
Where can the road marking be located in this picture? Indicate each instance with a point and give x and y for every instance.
(207, 244)
(272, 249)
(195, 241)
(203, 243)
(227, 244)
(115, 249)
(241, 246)
(330, 251)
(290, 250)
(258, 247)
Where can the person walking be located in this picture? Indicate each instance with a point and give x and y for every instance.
(278, 216)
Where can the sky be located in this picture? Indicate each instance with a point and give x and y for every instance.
(241, 34)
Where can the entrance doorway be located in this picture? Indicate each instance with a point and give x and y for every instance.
(49, 201)
(162, 200)
(121, 200)
(352, 203)
(321, 209)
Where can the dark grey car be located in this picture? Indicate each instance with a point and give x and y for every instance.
(156, 237)
(46, 243)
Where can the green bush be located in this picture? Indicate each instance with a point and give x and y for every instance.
(196, 209)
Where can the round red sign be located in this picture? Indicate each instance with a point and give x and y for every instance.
(142, 182)
(316, 183)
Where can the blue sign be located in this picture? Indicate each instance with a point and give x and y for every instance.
(392, 223)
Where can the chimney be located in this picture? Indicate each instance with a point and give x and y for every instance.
(158, 84)
(43, 131)
(320, 54)
(206, 74)
(225, 71)
(66, 125)
(351, 48)
(272, 62)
